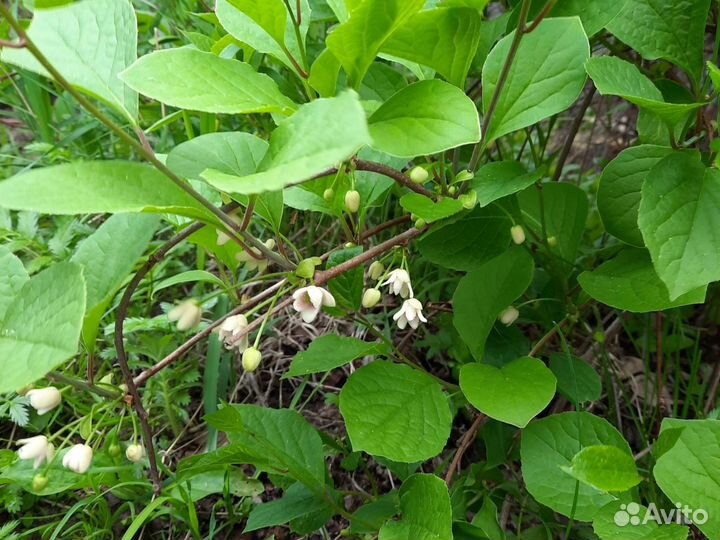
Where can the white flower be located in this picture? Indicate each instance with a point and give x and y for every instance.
(399, 283)
(251, 359)
(410, 313)
(44, 399)
(78, 459)
(230, 328)
(518, 234)
(37, 448)
(187, 314)
(509, 316)
(376, 270)
(256, 262)
(309, 301)
(223, 237)
(135, 452)
(370, 298)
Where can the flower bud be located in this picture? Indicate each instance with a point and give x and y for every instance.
(78, 459)
(114, 450)
(370, 298)
(135, 453)
(469, 200)
(376, 270)
(187, 315)
(39, 482)
(349, 245)
(352, 201)
(452, 190)
(44, 399)
(464, 176)
(552, 241)
(518, 234)
(420, 223)
(418, 175)
(306, 269)
(251, 359)
(329, 194)
(509, 316)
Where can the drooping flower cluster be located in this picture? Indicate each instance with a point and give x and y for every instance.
(398, 283)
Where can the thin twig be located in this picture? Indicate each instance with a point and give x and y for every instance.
(574, 128)
(19, 44)
(82, 385)
(396, 175)
(465, 443)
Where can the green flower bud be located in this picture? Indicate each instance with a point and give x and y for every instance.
(370, 298)
(418, 175)
(306, 269)
(509, 316)
(552, 241)
(420, 223)
(352, 201)
(329, 194)
(452, 190)
(39, 482)
(518, 234)
(114, 450)
(376, 270)
(251, 359)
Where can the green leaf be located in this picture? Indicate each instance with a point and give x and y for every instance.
(270, 15)
(274, 440)
(214, 482)
(607, 468)
(484, 293)
(396, 412)
(12, 278)
(616, 77)
(231, 153)
(546, 76)
(565, 208)
(95, 187)
(470, 241)
(680, 223)
(191, 276)
(670, 29)
(191, 79)
(427, 117)
(688, 473)
(499, 179)
(549, 445)
(316, 138)
(324, 74)
(428, 209)
(357, 41)
(89, 43)
(618, 197)
(450, 39)
(329, 352)
(612, 522)
(370, 517)
(426, 513)
(42, 326)
(629, 282)
(513, 394)
(595, 14)
(576, 379)
(381, 83)
(296, 502)
(347, 288)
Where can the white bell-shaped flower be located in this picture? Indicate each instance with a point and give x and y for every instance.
(231, 328)
(410, 313)
(36, 448)
(310, 300)
(256, 261)
(371, 298)
(44, 399)
(399, 283)
(78, 459)
(135, 452)
(187, 315)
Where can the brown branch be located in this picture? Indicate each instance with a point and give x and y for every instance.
(544, 13)
(574, 128)
(402, 179)
(19, 44)
(465, 443)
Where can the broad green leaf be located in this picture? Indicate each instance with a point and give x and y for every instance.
(594, 14)
(513, 394)
(318, 137)
(428, 209)
(612, 522)
(42, 326)
(396, 412)
(95, 187)
(652, 129)
(450, 39)
(214, 482)
(324, 74)
(357, 41)
(191, 79)
(688, 473)
(500, 179)
(21, 473)
(329, 352)
(550, 444)
(565, 208)
(296, 502)
(607, 468)
(425, 511)
(274, 440)
(618, 197)
(427, 117)
(484, 293)
(347, 288)
(370, 517)
(546, 77)
(270, 15)
(670, 29)
(616, 77)
(680, 222)
(191, 276)
(576, 379)
(629, 282)
(470, 241)
(89, 43)
(230, 153)
(12, 277)
(381, 83)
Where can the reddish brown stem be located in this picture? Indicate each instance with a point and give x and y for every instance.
(465, 443)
